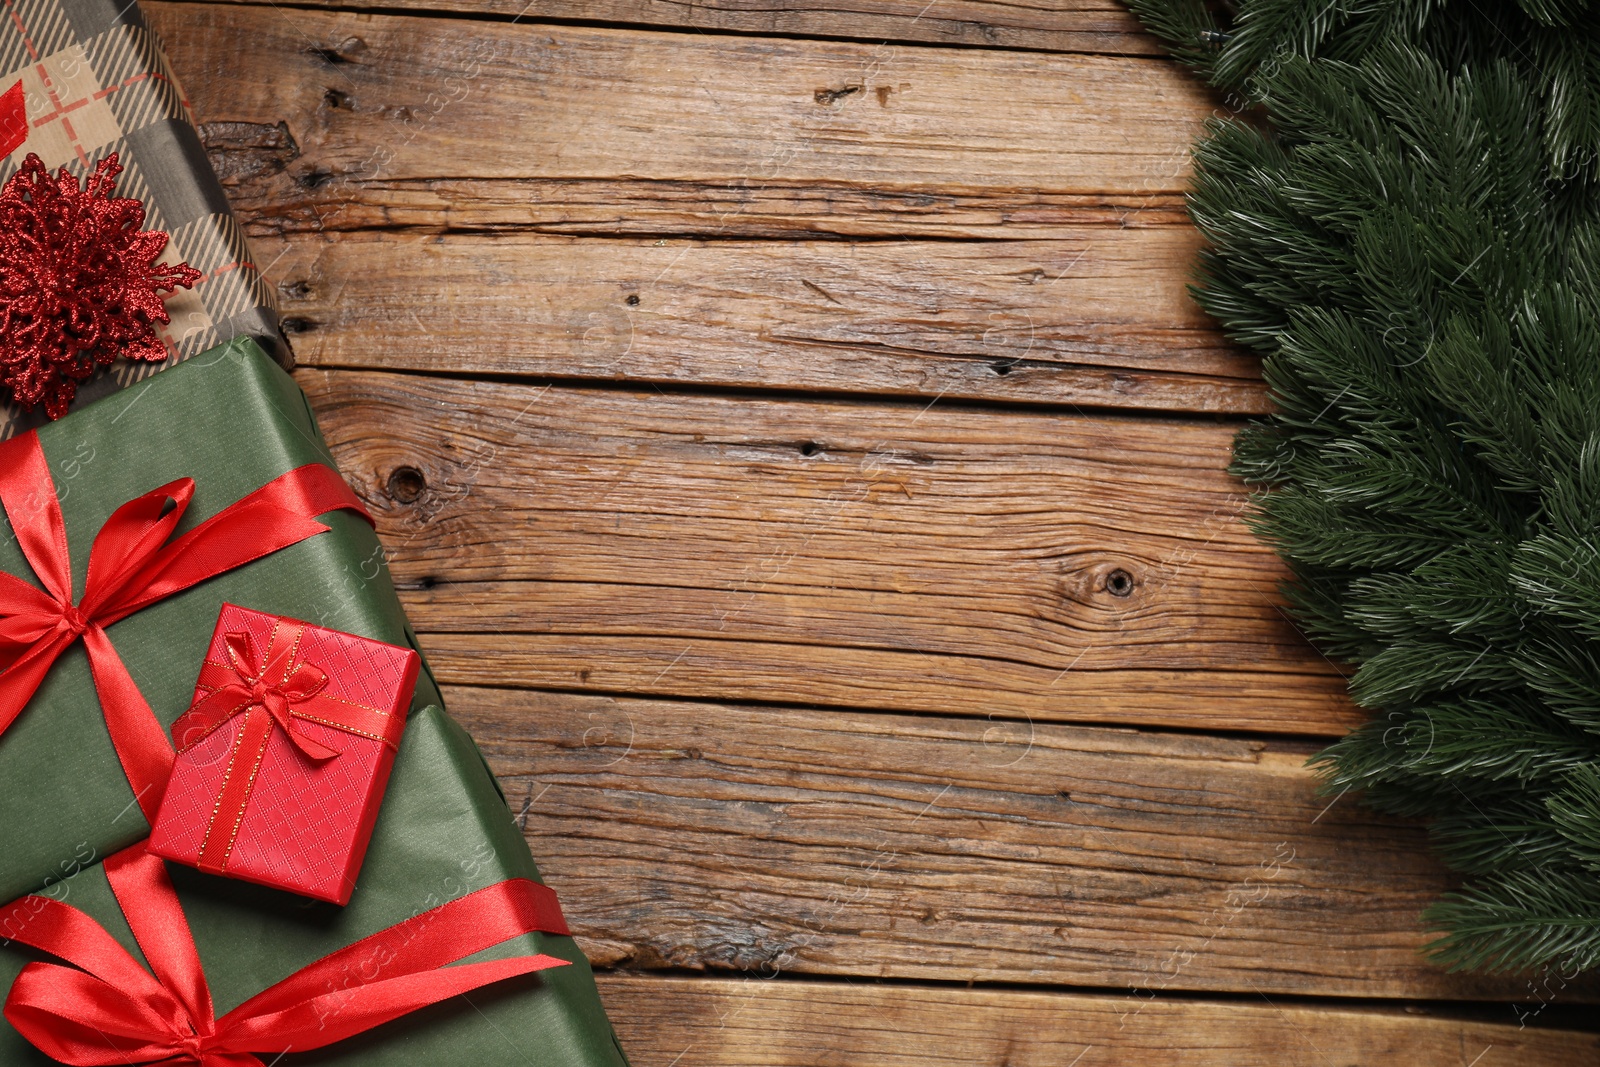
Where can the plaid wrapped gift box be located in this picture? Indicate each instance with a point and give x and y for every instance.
(95, 81)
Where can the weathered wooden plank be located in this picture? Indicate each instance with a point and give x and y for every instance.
(247, 154)
(767, 840)
(1102, 319)
(332, 120)
(721, 1022)
(1099, 26)
(913, 557)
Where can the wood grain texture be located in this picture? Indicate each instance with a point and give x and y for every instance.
(330, 120)
(767, 840)
(1102, 319)
(1038, 254)
(911, 557)
(682, 1022)
(846, 218)
(1102, 26)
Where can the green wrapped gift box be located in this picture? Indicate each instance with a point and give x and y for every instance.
(232, 420)
(444, 832)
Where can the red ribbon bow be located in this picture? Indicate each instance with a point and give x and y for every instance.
(283, 689)
(106, 1010)
(131, 566)
(282, 683)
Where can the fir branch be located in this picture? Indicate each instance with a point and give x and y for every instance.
(1408, 233)
(1520, 920)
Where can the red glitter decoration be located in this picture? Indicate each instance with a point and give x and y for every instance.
(79, 282)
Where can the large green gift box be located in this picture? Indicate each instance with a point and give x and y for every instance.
(444, 832)
(232, 420)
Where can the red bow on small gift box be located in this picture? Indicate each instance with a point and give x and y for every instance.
(284, 687)
(105, 1010)
(284, 754)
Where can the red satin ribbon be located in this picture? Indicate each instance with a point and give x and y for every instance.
(106, 1010)
(13, 119)
(279, 688)
(131, 566)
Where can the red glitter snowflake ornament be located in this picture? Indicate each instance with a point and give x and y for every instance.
(79, 282)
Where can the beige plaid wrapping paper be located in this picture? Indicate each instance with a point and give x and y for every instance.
(96, 81)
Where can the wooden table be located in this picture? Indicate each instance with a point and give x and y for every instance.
(806, 471)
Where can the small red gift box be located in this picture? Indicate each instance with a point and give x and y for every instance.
(284, 754)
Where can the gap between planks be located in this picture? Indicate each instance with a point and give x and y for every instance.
(1085, 26)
